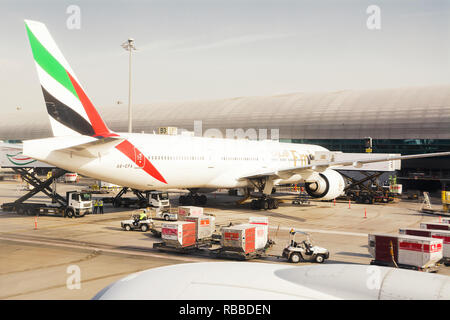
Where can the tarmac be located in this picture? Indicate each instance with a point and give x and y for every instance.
(39, 263)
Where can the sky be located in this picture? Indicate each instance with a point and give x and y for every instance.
(211, 49)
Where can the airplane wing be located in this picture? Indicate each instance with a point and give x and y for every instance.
(268, 281)
(93, 148)
(319, 166)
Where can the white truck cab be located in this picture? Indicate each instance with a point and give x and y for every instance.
(78, 203)
(159, 199)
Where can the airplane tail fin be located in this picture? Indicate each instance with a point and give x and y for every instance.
(70, 110)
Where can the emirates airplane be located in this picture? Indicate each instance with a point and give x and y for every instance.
(83, 143)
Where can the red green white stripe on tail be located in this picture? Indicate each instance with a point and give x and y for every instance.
(70, 110)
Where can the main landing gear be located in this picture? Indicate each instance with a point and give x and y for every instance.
(265, 187)
(264, 204)
(192, 199)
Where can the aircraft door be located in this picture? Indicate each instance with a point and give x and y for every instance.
(211, 157)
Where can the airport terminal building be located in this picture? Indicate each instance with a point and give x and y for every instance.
(401, 120)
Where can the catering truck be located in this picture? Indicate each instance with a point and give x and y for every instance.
(76, 204)
(155, 199)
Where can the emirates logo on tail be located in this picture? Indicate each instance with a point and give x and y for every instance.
(70, 110)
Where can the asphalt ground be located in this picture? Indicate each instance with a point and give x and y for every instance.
(42, 263)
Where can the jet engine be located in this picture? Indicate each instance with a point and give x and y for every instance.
(329, 186)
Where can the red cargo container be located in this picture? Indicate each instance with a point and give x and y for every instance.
(178, 234)
(405, 250)
(239, 238)
(186, 211)
(262, 230)
(204, 226)
(437, 234)
(435, 226)
(385, 247)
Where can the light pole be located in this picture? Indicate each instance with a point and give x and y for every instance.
(129, 46)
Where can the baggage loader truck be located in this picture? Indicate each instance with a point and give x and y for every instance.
(76, 204)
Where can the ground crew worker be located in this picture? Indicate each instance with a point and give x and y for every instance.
(143, 215)
(95, 207)
(100, 206)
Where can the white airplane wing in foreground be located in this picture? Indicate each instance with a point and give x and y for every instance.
(264, 281)
(320, 166)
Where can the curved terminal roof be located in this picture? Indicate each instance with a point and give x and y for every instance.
(404, 113)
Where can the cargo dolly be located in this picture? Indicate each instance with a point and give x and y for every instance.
(242, 242)
(198, 247)
(210, 248)
(406, 251)
(220, 252)
(431, 269)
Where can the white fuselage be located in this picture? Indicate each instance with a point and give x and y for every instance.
(183, 161)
